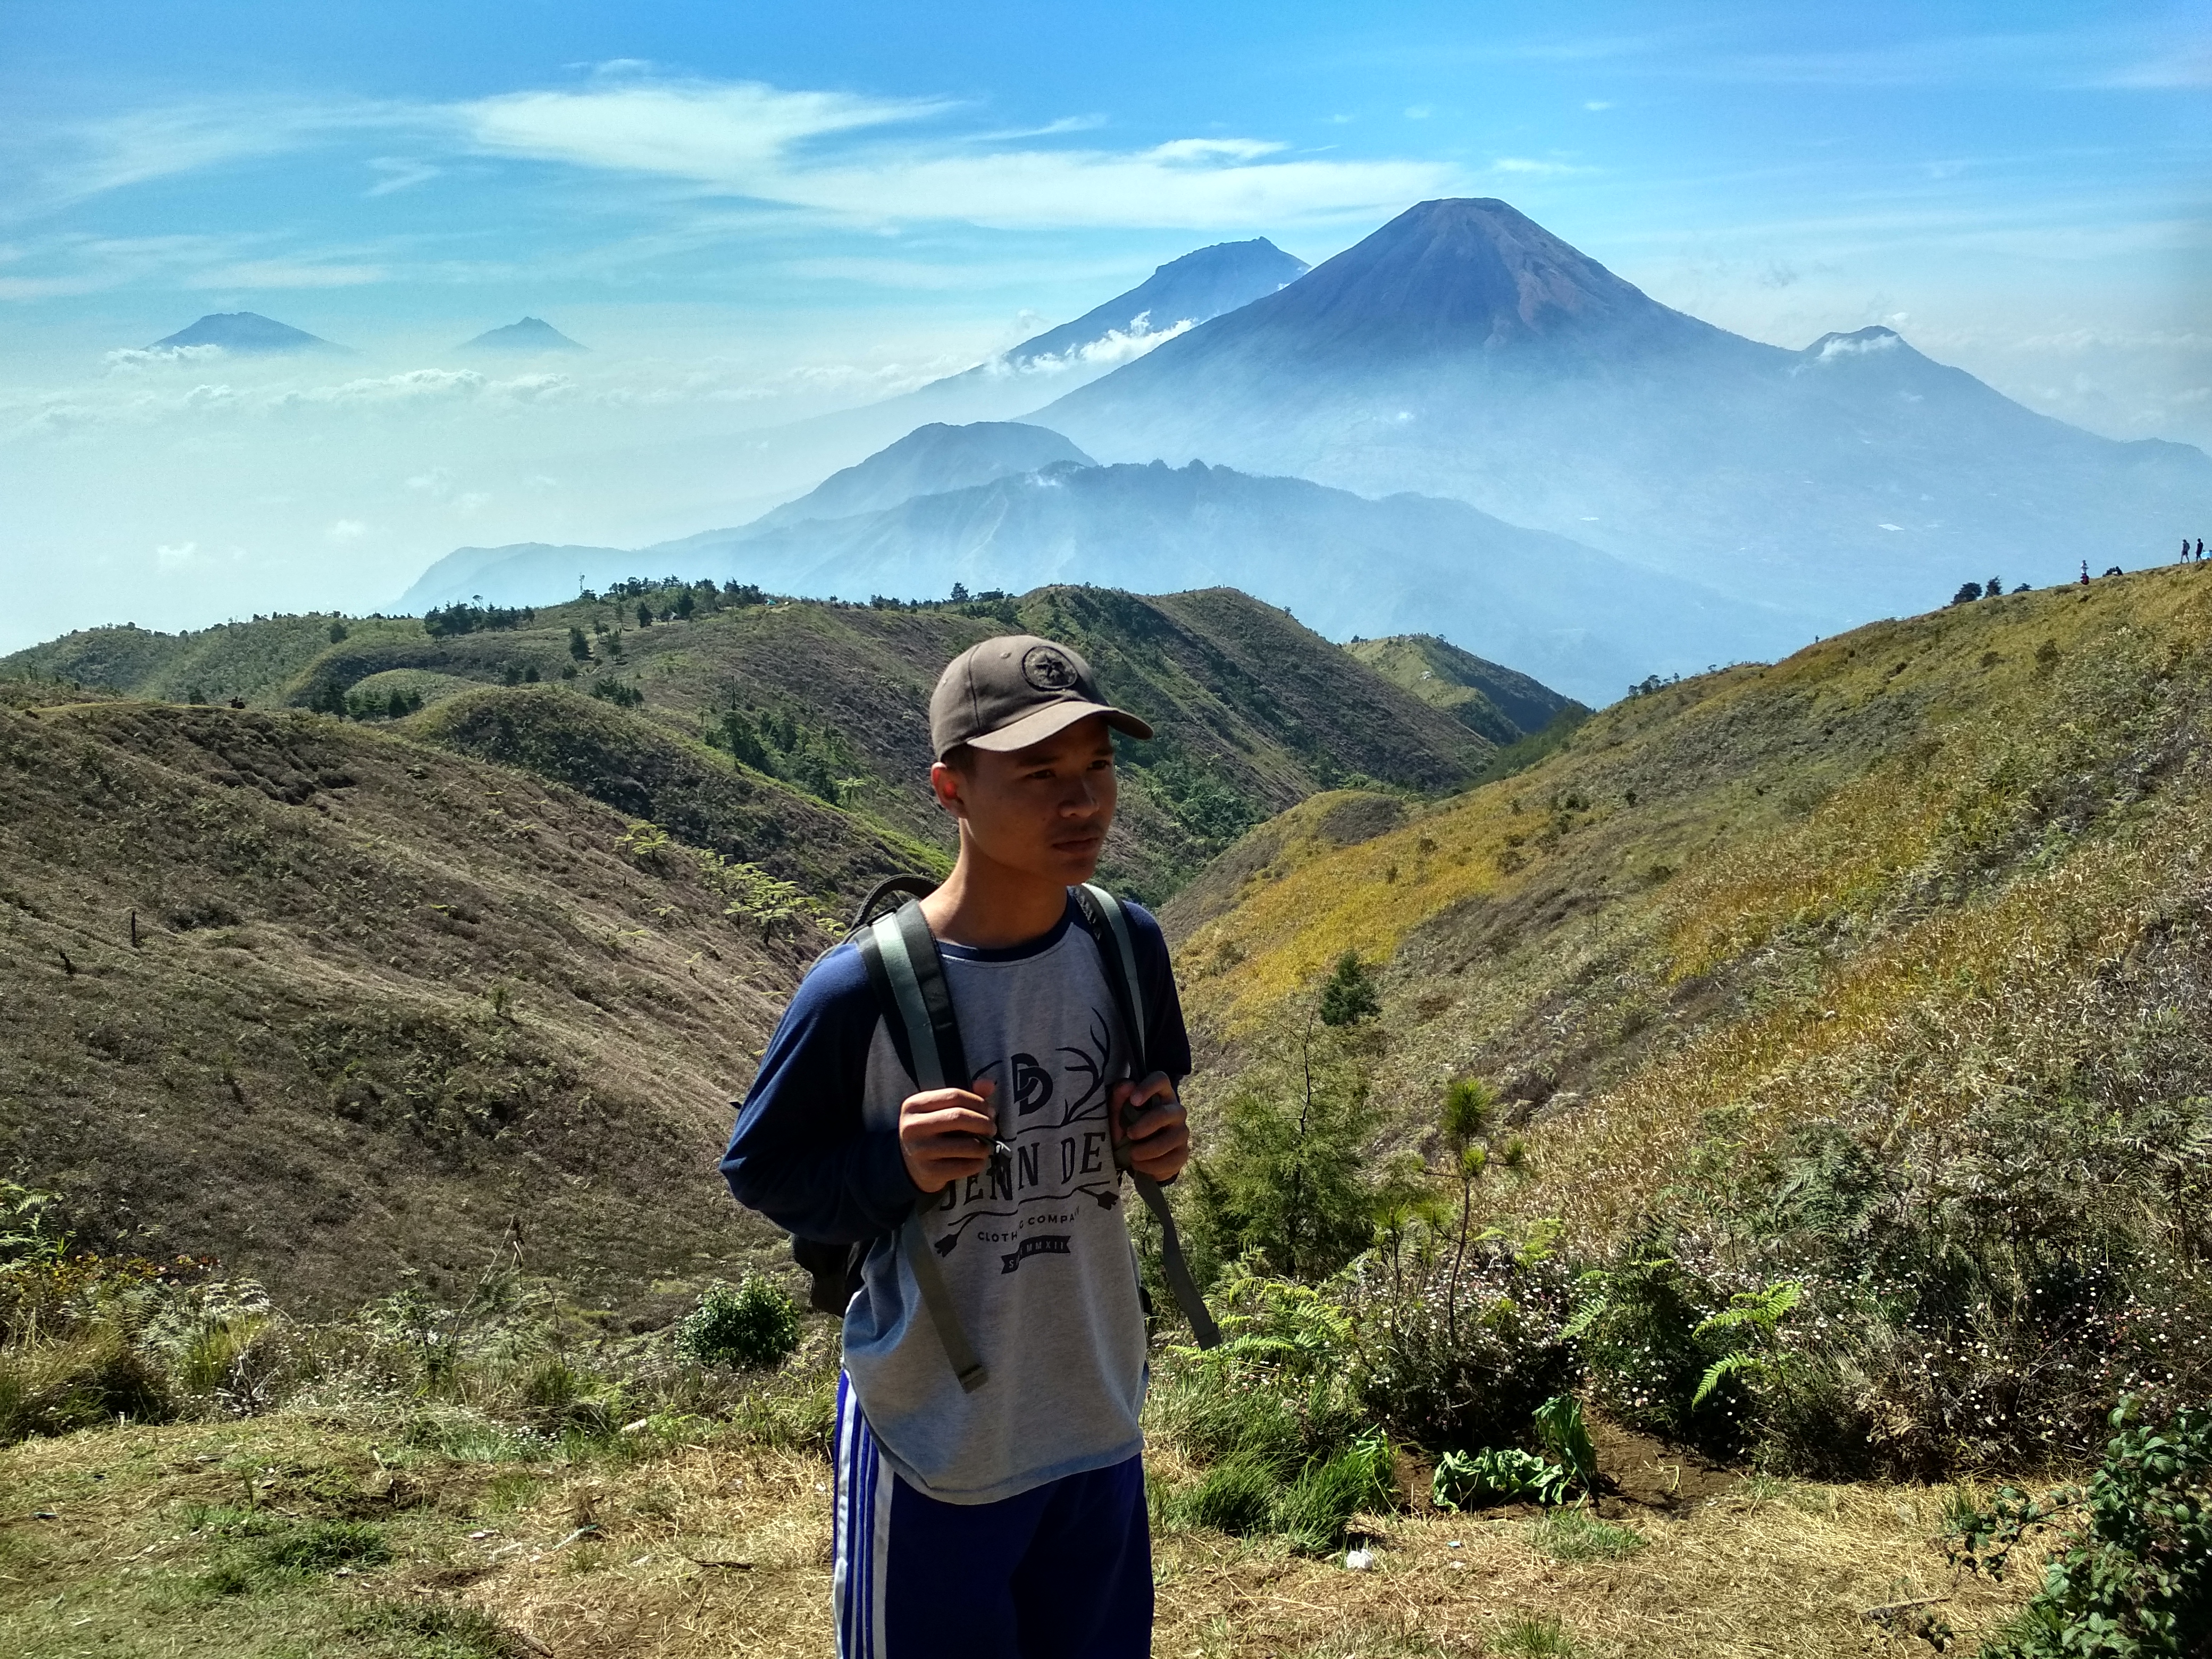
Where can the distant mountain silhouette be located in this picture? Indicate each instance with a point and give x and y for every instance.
(247, 333)
(530, 334)
(491, 573)
(928, 461)
(1463, 350)
(1581, 620)
(1179, 294)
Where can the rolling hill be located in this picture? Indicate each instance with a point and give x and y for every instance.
(1501, 704)
(1884, 971)
(330, 998)
(831, 703)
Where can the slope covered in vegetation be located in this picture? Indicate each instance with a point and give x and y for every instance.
(1254, 711)
(329, 1003)
(1874, 983)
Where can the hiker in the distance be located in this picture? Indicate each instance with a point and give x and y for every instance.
(990, 1495)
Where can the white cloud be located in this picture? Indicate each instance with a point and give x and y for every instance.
(1530, 166)
(132, 357)
(1850, 348)
(176, 557)
(399, 173)
(759, 142)
(1114, 347)
(1595, 104)
(53, 167)
(284, 274)
(346, 530)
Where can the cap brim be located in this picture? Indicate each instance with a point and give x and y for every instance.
(1051, 720)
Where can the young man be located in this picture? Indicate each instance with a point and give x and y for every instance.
(1007, 1522)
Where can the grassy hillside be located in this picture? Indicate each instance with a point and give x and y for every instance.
(1903, 945)
(329, 1001)
(1254, 711)
(1485, 696)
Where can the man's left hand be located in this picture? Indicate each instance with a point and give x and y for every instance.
(1155, 1140)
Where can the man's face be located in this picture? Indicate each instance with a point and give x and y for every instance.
(1043, 811)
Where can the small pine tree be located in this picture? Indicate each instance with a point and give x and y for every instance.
(684, 604)
(579, 647)
(337, 633)
(1967, 593)
(644, 614)
(1994, 588)
(1349, 993)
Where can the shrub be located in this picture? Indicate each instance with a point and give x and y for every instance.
(1460, 1360)
(2133, 1573)
(756, 1325)
(1637, 1328)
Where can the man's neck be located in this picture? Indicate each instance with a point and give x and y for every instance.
(990, 905)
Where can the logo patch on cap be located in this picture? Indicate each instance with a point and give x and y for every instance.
(1048, 668)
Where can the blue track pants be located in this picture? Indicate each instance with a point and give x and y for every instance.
(1062, 1572)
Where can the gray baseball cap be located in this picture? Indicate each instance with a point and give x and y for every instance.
(1011, 692)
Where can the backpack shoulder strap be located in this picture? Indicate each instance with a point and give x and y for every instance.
(1117, 948)
(908, 977)
(1109, 924)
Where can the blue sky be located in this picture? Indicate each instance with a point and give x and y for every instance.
(755, 214)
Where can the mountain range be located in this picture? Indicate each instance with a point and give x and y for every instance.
(1572, 476)
(1463, 350)
(1005, 505)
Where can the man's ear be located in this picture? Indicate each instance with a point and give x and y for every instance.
(947, 783)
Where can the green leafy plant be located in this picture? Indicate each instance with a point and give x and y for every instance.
(2132, 1575)
(753, 1325)
(1506, 1475)
(1559, 1424)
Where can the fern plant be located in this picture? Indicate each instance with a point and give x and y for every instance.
(1754, 1317)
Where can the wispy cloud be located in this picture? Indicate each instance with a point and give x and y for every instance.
(769, 144)
(399, 173)
(46, 168)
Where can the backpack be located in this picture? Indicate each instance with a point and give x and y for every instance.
(908, 975)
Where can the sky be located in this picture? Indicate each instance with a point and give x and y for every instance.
(755, 216)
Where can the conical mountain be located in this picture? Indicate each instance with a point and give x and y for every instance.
(1463, 350)
(248, 334)
(530, 334)
(1454, 276)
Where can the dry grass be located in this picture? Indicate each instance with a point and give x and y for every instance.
(1907, 869)
(1770, 1569)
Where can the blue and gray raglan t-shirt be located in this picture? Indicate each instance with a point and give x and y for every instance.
(1038, 1262)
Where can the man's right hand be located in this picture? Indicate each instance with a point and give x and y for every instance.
(946, 1135)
